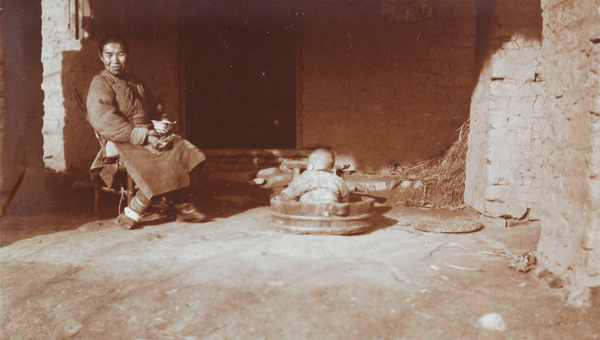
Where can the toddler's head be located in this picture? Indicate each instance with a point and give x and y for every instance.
(321, 159)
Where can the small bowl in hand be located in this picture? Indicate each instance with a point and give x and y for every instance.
(163, 127)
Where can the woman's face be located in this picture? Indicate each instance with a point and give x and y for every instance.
(114, 58)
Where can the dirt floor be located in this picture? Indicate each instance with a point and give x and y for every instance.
(68, 275)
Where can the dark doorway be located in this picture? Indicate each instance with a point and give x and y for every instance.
(240, 73)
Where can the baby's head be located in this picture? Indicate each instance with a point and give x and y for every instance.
(321, 159)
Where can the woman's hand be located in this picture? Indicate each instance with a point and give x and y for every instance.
(160, 143)
(156, 142)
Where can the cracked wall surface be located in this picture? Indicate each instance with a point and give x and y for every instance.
(385, 84)
(505, 153)
(570, 236)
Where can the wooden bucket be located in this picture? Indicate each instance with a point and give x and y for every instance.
(323, 218)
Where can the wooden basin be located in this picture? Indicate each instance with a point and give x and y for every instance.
(323, 218)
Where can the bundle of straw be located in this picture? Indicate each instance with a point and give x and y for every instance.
(443, 176)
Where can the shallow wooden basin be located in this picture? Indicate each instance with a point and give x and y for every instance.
(323, 218)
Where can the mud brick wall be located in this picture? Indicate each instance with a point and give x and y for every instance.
(386, 82)
(21, 167)
(5, 177)
(505, 153)
(70, 62)
(59, 107)
(570, 234)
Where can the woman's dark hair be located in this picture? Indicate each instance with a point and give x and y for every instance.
(113, 38)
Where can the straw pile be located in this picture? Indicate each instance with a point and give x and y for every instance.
(443, 176)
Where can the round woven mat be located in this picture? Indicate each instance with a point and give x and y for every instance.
(447, 225)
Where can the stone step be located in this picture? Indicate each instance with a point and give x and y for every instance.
(278, 178)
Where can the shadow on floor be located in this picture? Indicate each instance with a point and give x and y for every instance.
(72, 206)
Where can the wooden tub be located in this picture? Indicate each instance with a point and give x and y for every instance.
(349, 218)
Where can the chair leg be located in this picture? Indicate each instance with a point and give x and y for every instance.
(130, 188)
(97, 201)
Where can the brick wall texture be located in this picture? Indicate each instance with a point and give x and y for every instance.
(571, 184)
(505, 151)
(384, 84)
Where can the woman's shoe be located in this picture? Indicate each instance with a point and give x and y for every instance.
(187, 212)
(126, 222)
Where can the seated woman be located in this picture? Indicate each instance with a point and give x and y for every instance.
(119, 110)
(318, 183)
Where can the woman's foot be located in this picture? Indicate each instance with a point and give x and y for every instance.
(126, 222)
(128, 219)
(187, 212)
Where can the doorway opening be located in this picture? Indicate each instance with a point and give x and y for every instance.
(239, 59)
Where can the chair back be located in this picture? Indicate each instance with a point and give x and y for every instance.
(109, 159)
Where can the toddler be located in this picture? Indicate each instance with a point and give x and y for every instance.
(319, 183)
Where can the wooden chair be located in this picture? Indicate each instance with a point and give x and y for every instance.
(125, 184)
(125, 188)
